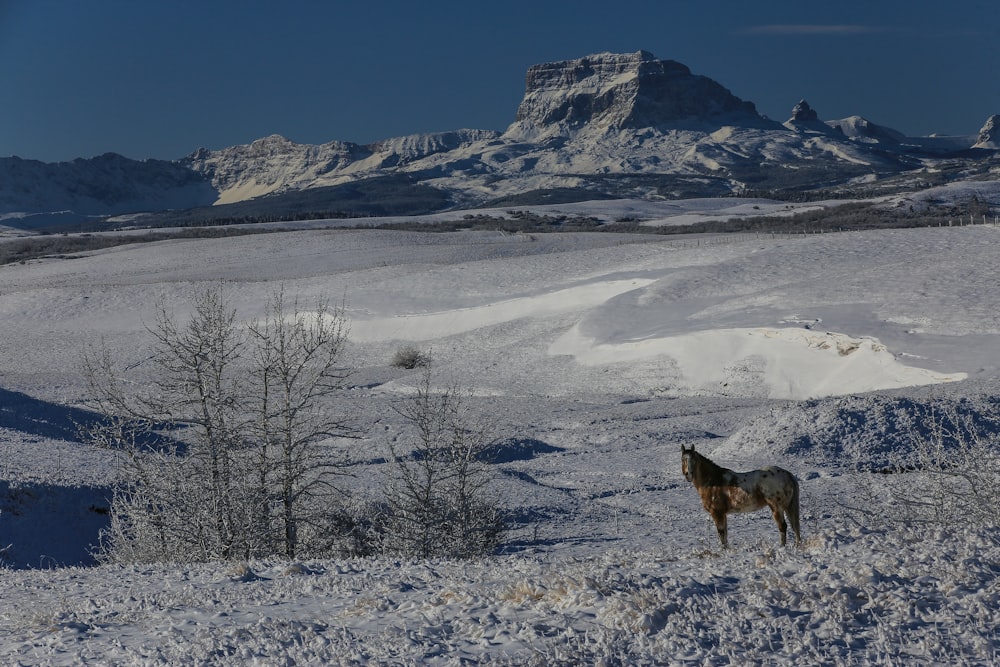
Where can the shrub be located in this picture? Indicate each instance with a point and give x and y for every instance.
(948, 474)
(410, 357)
(439, 500)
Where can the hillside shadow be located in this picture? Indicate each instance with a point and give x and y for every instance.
(27, 414)
(44, 526)
(33, 416)
(517, 449)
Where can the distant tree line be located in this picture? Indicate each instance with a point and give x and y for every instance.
(65, 246)
(163, 220)
(513, 222)
(844, 217)
(854, 216)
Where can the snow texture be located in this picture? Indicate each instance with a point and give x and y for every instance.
(600, 355)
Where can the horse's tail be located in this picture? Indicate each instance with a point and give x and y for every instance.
(793, 510)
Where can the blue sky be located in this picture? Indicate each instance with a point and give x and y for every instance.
(152, 79)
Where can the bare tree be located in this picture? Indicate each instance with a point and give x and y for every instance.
(220, 449)
(439, 496)
(195, 492)
(297, 367)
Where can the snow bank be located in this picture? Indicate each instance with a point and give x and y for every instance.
(428, 326)
(790, 363)
(871, 431)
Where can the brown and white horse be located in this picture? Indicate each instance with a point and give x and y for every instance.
(723, 491)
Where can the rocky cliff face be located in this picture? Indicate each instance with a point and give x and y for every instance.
(802, 112)
(275, 164)
(270, 164)
(621, 91)
(989, 136)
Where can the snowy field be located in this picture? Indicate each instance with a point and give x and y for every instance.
(600, 355)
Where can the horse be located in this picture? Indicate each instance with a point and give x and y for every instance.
(723, 491)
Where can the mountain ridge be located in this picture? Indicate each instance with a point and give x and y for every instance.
(591, 124)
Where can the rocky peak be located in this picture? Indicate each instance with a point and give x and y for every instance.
(989, 136)
(859, 129)
(615, 91)
(802, 112)
(271, 145)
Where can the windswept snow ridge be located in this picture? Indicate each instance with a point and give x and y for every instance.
(429, 326)
(776, 363)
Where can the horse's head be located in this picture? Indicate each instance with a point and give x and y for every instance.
(687, 462)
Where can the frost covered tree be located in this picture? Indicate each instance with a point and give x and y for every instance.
(221, 448)
(948, 474)
(297, 368)
(439, 497)
(191, 493)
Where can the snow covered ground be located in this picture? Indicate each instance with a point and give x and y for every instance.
(600, 355)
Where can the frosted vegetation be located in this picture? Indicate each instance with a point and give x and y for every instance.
(379, 446)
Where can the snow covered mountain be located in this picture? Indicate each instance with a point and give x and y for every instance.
(36, 194)
(989, 136)
(613, 92)
(606, 125)
(276, 164)
(862, 129)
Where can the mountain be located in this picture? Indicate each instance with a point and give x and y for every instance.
(863, 130)
(606, 125)
(274, 164)
(612, 92)
(36, 194)
(989, 136)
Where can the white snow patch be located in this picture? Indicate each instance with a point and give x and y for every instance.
(789, 363)
(427, 326)
(244, 191)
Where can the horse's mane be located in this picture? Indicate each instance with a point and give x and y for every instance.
(706, 472)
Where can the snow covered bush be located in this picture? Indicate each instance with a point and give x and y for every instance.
(947, 474)
(914, 458)
(223, 452)
(410, 357)
(438, 498)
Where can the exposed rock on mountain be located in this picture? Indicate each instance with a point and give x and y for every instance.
(805, 119)
(617, 91)
(269, 164)
(863, 130)
(275, 164)
(802, 112)
(989, 136)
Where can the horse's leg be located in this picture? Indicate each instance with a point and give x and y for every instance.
(793, 515)
(720, 525)
(779, 518)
